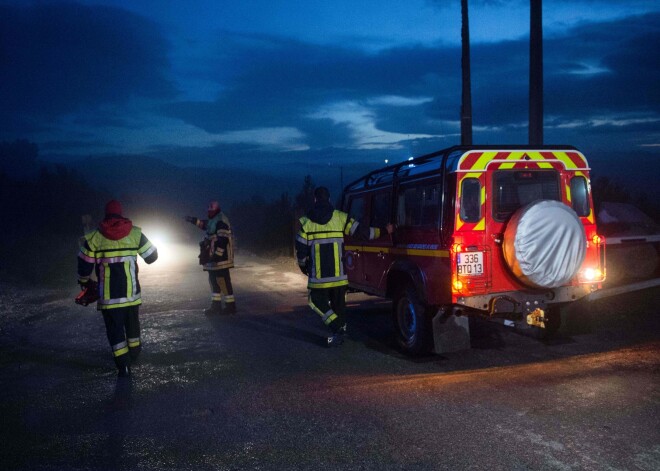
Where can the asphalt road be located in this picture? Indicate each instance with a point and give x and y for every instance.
(256, 390)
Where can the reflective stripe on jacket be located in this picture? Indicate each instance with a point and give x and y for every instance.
(324, 245)
(115, 262)
(220, 242)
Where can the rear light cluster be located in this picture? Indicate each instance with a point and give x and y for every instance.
(473, 266)
(593, 270)
(456, 284)
(596, 241)
(589, 275)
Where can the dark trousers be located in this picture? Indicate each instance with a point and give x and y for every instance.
(221, 288)
(330, 304)
(122, 325)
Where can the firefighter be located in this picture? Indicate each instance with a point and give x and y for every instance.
(217, 257)
(319, 251)
(111, 251)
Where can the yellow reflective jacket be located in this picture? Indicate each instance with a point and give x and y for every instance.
(320, 248)
(218, 245)
(115, 263)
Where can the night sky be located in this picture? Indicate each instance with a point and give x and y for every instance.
(269, 83)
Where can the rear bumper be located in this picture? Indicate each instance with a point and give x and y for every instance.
(525, 302)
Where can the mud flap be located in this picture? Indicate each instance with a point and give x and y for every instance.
(451, 333)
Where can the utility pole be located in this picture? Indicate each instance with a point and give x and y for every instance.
(536, 73)
(466, 95)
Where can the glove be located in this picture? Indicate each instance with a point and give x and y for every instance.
(191, 219)
(303, 265)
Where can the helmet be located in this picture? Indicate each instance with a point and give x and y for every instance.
(113, 207)
(213, 208)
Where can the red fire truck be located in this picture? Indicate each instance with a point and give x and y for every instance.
(505, 232)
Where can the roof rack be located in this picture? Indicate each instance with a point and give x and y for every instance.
(433, 161)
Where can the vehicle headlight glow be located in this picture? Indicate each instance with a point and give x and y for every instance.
(164, 245)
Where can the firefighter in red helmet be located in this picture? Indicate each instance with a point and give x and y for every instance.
(217, 257)
(111, 251)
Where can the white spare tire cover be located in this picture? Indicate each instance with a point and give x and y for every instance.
(544, 244)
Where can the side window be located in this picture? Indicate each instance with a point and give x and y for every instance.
(419, 206)
(380, 209)
(448, 212)
(470, 200)
(356, 208)
(580, 196)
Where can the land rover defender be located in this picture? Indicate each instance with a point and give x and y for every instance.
(507, 232)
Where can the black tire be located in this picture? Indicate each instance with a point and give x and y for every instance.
(412, 323)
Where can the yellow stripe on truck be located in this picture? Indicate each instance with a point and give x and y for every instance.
(401, 251)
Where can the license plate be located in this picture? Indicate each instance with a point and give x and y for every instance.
(470, 263)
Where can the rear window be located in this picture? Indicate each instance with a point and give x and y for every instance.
(514, 189)
(470, 200)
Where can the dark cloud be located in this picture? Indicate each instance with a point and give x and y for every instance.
(432, 117)
(283, 81)
(604, 69)
(628, 69)
(473, 3)
(71, 59)
(324, 133)
(56, 59)
(275, 63)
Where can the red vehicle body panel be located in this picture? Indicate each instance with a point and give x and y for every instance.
(429, 253)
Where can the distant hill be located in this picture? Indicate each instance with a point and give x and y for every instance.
(152, 179)
(155, 182)
(137, 177)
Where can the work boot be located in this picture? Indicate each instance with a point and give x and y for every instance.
(216, 308)
(134, 353)
(230, 308)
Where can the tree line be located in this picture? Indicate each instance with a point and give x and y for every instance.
(42, 225)
(47, 208)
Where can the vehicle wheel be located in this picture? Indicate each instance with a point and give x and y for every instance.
(412, 323)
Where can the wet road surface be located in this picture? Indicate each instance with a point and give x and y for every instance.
(256, 390)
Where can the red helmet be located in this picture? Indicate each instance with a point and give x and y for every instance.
(113, 207)
(213, 208)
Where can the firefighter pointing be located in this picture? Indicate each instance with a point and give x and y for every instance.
(111, 251)
(217, 257)
(319, 250)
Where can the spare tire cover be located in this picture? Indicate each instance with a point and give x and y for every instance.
(544, 244)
